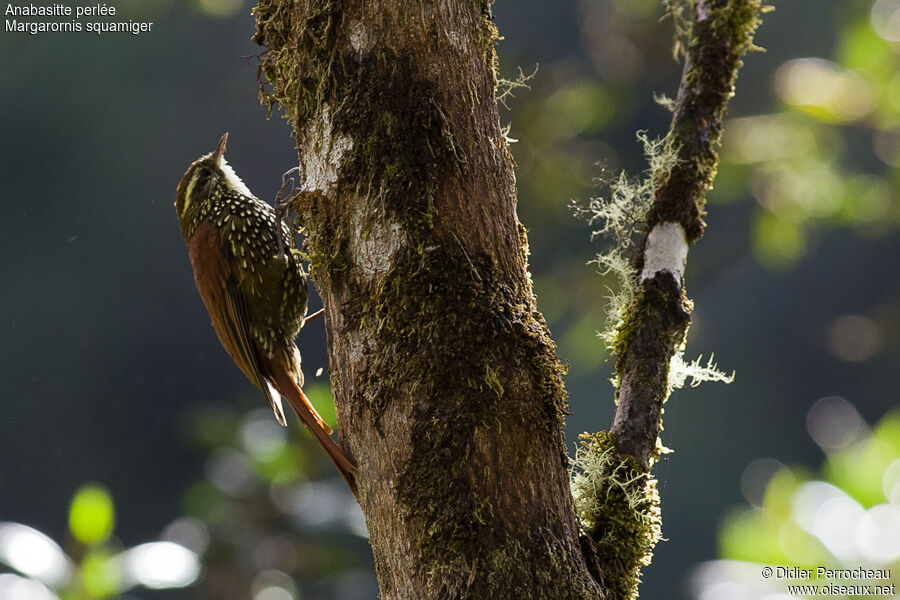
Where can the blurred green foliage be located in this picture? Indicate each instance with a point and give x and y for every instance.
(811, 148)
(269, 519)
(262, 520)
(798, 156)
(845, 515)
(94, 566)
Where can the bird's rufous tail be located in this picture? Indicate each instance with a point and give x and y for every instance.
(307, 413)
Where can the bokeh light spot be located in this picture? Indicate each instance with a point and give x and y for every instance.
(20, 588)
(231, 472)
(756, 478)
(891, 482)
(581, 107)
(798, 194)
(757, 139)
(99, 575)
(32, 553)
(878, 535)
(159, 565)
(854, 338)
(273, 593)
(842, 94)
(778, 242)
(190, 532)
(273, 585)
(835, 523)
(833, 423)
(261, 435)
(885, 18)
(886, 144)
(276, 552)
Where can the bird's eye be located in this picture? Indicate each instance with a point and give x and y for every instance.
(203, 175)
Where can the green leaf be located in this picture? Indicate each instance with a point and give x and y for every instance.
(751, 534)
(858, 470)
(778, 242)
(888, 431)
(91, 514)
(99, 575)
(860, 47)
(204, 501)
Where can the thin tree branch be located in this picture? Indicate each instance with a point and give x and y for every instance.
(655, 325)
(613, 486)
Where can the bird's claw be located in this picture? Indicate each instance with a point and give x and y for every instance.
(283, 204)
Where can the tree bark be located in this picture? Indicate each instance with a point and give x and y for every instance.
(448, 389)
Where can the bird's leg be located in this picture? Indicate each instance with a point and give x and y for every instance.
(283, 205)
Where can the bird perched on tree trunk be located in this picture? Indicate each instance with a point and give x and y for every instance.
(256, 293)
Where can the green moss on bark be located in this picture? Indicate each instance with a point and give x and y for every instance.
(465, 345)
(295, 69)
(652, 329)
(654, 324)
(442, 303)
(451, 331)
(721, 33)
(618, 504)
(404, 146)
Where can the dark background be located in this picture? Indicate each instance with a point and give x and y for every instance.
(106, 347)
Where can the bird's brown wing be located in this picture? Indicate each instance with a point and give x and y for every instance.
(225, 302)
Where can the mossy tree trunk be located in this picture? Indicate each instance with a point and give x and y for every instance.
(447, 385)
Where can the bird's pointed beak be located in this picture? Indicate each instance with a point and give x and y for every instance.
(220, 151)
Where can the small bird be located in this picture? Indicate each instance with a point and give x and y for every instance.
(256, 293)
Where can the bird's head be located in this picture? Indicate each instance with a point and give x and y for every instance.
(206, 176)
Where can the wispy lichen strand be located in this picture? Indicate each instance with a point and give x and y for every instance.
(618, 218)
